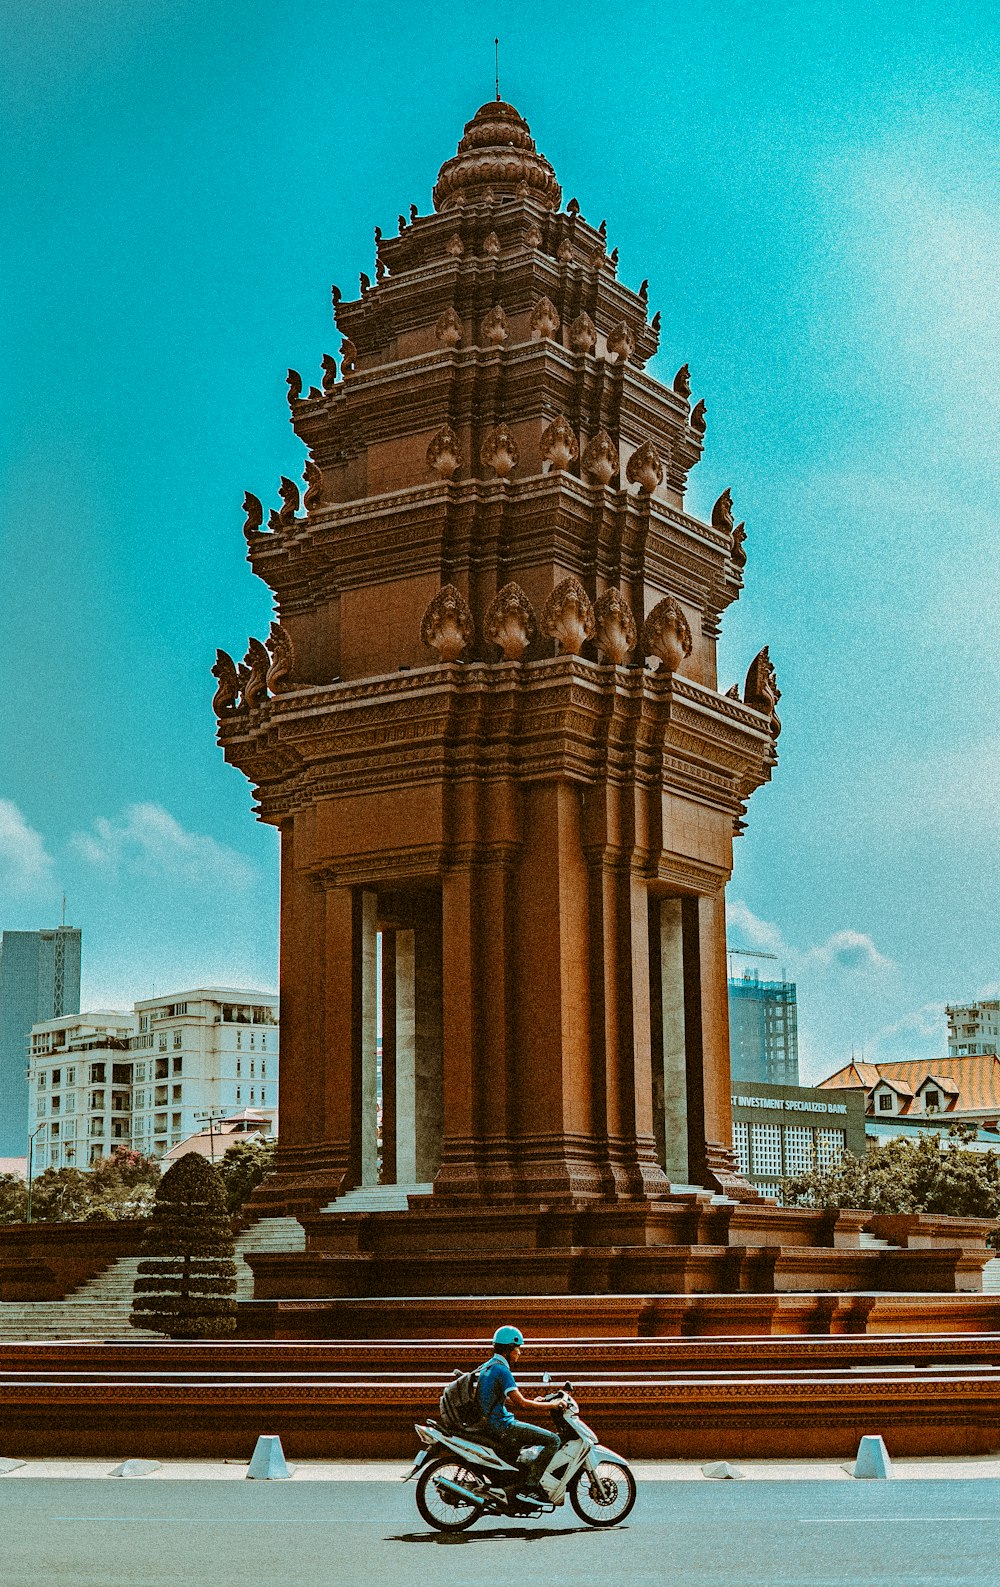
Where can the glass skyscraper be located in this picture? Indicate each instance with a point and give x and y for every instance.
(39, 979)
(763, 1031)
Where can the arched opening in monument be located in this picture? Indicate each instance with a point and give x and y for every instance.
(407, 1096)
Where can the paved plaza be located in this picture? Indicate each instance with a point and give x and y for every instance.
(821, 1531)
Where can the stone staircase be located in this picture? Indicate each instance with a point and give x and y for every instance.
(377, 1198)
(99, 1309)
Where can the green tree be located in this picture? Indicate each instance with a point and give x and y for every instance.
(186, 1283)
(243, 1166)
(931, 1173)
(123, 1185)
(13, 1198)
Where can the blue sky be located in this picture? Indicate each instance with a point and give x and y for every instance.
(812, 193)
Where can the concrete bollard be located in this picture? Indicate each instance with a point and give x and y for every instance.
(10, 1465)
(135, 1468)
(268, 1461)
(873, 1459)
(722, 1469)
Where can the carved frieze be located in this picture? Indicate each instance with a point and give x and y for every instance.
(444, 456)
(568, 616)
(447, 625)
(666, 634)
(499, 451)
(615, 626)
(559, 445)
(509, 622)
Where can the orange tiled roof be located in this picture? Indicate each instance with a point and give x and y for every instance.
(974, 1080)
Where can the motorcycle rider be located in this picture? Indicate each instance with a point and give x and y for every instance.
(500, 1398)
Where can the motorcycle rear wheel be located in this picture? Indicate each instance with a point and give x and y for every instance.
(446, 1512)
(610, 1507)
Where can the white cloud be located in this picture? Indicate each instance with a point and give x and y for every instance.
(921, 1033)
(25, 865)
(843, 950)
(149, 840)
(849, 950)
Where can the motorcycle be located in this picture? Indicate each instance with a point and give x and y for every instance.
(460, 1479)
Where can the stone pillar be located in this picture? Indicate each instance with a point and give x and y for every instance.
(366, 1057)
(459, 1173)
(405, 1045)
(428, 1081)
(388, 1173)
(669, 946)
(711, 1160)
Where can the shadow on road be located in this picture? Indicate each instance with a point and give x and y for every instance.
(522, 1534)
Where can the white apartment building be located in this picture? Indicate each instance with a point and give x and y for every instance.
(211, 1050)
(79, 1088)
(149, 1079)
(974, 1029)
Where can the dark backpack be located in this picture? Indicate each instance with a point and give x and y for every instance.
(460, 1410)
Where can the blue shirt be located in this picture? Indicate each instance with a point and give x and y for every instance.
(495, 1381)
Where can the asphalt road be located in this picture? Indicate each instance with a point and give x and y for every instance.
(167, 1533)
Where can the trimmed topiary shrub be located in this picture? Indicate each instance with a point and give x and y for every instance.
(186, 1284)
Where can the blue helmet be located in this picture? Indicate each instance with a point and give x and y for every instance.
(505, 1338)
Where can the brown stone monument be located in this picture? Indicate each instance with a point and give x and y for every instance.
(488, 725)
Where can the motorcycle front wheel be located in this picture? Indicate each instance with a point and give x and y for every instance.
(441, 1509)
(604, 1498)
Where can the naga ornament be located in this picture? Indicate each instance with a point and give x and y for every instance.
(509, 622)
(447, 624)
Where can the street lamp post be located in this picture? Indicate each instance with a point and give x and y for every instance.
(31, 1165)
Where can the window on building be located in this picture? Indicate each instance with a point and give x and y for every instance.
(177, 1038)
(41, 1081)
(71, 1077)
(40, 1108)
(162, 1043)
(161, 1096)
(70, 1102)
(885, 1102)
(97, 1074)
(178, 1066)
(238, 1089)
(176, 1093)
(239, 1040)
(263, 1067)
(263, 1098)
(175, 1121)
(54, 1104)
(97, 1126)
(54, 1131)
(830, 1147)
(57, 1077)
(96, 1099)
(263, 1044)
(139, 1099)
(251, 1093)
(799, 1154)
(161, 1068)
(239, 1066)
(932, 1101)
(765, 1149)
(140, 1072)
(121, 1074)
(252, 1061)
